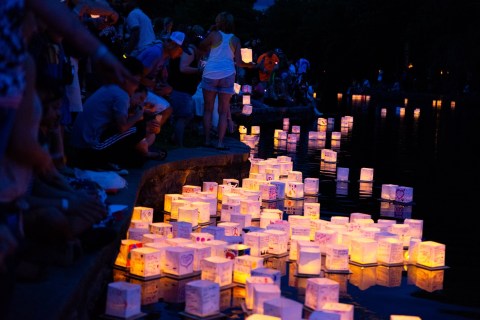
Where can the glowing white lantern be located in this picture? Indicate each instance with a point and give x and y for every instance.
(150, 237)
(218, 233)
(389, 191)
(403, 317)
(295, 176)
(243, 266)
(320, 291)
(283, 308)
(246, 99)
(363, 251)
(390, 251)
(345, 310)
(311, 210)
(294, 189)
(203, 209)
(311, 186)
(222, 189)
(143, 214)
(404, 194)
(412, 253)
(280, 186)
(246, 54)
(309, 260)
(210, 187)
(177, 204)
(268, 192)
(189, 214)
(218, 247)
(123, 300)
(243, 220)
(402, 231)
(323, 315)
(191, 189)
(217, 269)
(292, 138)
(251, 207)
(431, 254)
(342, 173)
(179, 261)
(277, 241)
(322, 122)
(236, 88)
(145, 262)
(282, 135)
(202, 298)
(255, 130)
(262, 293)
(136, 233)
(201, 237)
(328, 155)
(366, 174)
(293, 254)
(258, 242)
(337, 257)
(231, 228)
(123, 257)
(415, 229)
(177, 242)
(325, 238)
(200, 252)
(168, 198)
(139, 224)
(250, 283)
(295, 129)
(336, 135)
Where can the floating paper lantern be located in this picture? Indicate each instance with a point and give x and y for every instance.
(200, 252)
(311, 185)
(255, 130)
(280, 186)
(323, 315)
(319, 291)
(189, 214)
(325, 238)
(243, 265)
(363, 251)
(136, 233)
(218, 247)
(366, 174)
(250, 283)
(294, 189)
(295, 129)
(431, 254)
(217, 269)
(415, 229)
(311, 210)
(309, 260)
(337, 257)
(262, 293)
(231, 228)
(237, 87)
(177, 204)
(251, 207)
(268, 192)
(322, 121)
(145, 262)
(343, 309)
(202, 298)
(404, 194)
(274, 274)
(123, 300)
(151, 237)
(256, 316)
(191, 189)
(283, 308)
(403, 317)
(177, 242)
(336, 135)
(258, 243)
(217, 232)
(277, 241)
(242, 129)
(168, 198)
(143, 214)
(389, 191)
(210, 187)
(243, 220)
(123, 257)
(390, 251)
(328, 155)
(295, 176)
(179, 261)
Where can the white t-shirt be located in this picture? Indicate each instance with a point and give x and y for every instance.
(137, 18)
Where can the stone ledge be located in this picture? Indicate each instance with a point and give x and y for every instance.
(75, 292)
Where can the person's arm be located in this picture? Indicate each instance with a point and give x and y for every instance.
(125, 122)
(58, 17)
(185, 61)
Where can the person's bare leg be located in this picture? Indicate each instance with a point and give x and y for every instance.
(223, 113)
(208, 104)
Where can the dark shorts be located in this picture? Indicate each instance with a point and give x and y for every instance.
(223, 85)
(182, 104)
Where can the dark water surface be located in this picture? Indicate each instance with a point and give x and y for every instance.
(432, 152)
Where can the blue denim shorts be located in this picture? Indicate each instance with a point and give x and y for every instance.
(223, 85)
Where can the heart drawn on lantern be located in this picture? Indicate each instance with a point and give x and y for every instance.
(186, 260)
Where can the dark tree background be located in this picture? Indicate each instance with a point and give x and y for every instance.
(349, 40)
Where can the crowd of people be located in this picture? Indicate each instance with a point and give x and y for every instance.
(84, 84)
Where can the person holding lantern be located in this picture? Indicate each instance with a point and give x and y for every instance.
(224, 54)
